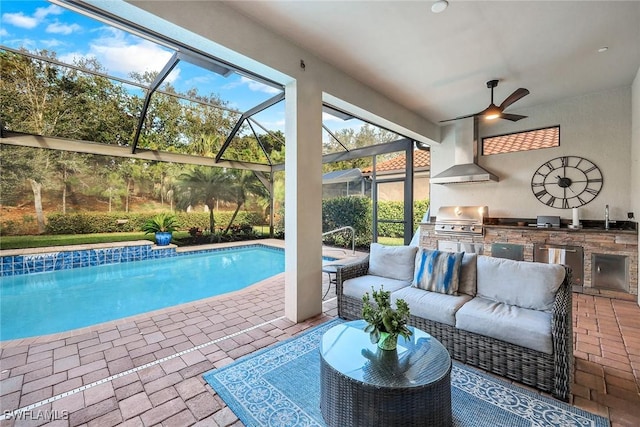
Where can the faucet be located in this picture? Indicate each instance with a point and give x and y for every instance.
(606, 217)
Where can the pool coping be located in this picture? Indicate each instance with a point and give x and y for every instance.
(273, 243)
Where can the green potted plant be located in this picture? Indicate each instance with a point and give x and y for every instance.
(384, 324)
(163, 225)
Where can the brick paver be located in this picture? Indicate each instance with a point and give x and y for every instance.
(607, 351)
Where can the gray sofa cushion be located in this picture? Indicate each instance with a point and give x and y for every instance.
(431, 305)
(468, 273)
(357, 286)
(516, 325)
(525, 284)
(394, 262)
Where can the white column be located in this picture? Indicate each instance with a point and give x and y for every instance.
(303, 201)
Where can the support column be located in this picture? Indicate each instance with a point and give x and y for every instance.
(303, 201)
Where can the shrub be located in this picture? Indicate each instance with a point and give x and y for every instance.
(110, 222)
(162, 222)
(347, 211)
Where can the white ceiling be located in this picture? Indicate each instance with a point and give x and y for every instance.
(438, 64)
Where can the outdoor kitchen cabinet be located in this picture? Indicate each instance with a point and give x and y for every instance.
(508, 251)
(573, 256)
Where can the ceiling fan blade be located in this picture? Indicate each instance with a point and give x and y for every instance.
(512, 117)
(516, 95)
(462, 117)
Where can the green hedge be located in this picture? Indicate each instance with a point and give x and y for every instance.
(347, 211)
(395, 210)
(357, 213)
(93, 222)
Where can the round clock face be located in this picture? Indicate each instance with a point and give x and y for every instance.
(567, 182)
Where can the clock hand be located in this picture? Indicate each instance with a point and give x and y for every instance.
(561, 181)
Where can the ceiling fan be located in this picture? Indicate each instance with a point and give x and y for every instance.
(497, 112)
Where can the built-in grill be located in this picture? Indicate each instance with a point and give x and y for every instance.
(461, 220)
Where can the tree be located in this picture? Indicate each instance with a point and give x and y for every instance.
(244, 183)
(42, 98)
(116, 188)
(31, 165)
(204, 185)
(67, 164)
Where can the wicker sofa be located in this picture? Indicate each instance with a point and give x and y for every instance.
(505, 343)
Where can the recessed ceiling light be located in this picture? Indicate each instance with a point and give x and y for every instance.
(439, 6)
(603, 49)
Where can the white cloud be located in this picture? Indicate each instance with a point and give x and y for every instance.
(28, 44)
(71, 57)
(275, 125)
(3, 32)
(59, 28)
(43, 12)
(121, 54)
(29, 22)
(20, 20)
(173, 76)
(198, 81)
(49, 43)
(257, 86)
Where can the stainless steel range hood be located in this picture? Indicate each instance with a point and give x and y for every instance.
(465, 168)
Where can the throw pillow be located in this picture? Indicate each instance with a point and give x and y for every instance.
(438, 271)
(393, 262)
(468, 274)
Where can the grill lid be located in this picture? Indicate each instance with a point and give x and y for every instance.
(461, 219)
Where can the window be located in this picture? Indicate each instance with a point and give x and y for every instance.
(521, 141)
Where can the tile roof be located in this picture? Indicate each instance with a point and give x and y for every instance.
(522, 141)
(421, 160)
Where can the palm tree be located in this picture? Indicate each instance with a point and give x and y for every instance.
(204, 185)
(245, 183)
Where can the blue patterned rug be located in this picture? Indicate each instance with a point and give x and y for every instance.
(279, 386)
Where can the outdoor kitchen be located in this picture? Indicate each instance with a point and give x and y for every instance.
(603, 261)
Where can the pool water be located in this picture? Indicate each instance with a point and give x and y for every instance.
(57, 301)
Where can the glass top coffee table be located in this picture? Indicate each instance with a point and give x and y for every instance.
(362, 385)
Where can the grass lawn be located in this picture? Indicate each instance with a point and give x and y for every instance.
(20, 242)
(391, 241)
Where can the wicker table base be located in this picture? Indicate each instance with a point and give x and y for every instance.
(418, 378)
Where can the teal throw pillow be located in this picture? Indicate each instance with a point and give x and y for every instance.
(438, 271)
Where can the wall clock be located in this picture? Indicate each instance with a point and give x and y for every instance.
(567, 182)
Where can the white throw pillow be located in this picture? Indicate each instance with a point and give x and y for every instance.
(394, 262)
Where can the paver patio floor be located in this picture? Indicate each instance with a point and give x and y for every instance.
(147, 370)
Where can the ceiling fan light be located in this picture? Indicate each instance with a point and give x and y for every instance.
(492, 113)
(439, 6)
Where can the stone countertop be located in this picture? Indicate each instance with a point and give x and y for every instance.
(562, 228)
(588, 226)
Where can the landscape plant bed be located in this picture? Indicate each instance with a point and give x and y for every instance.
(196, 237)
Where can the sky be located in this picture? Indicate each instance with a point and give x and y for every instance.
(38, 24)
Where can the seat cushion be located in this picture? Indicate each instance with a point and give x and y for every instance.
(437, 271)
(516, 325)
(394, 262)
(525, 284)
(357, 286)
(431, 305)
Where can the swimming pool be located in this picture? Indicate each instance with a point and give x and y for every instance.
(57, 301)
